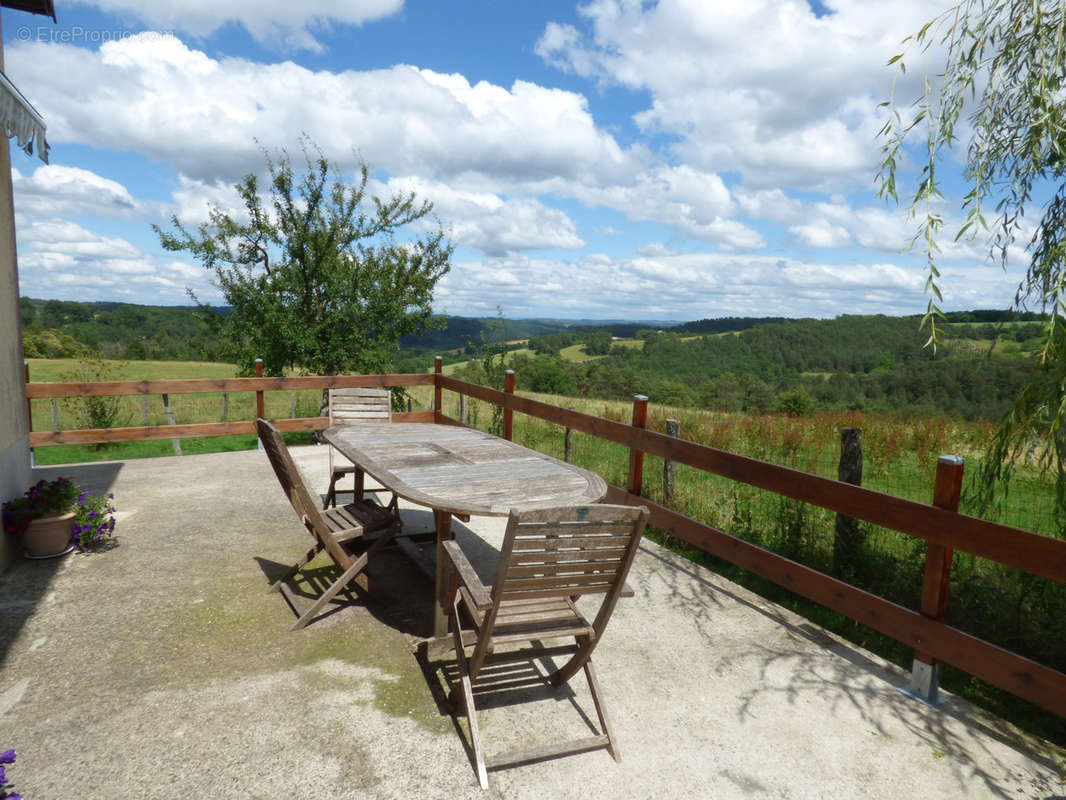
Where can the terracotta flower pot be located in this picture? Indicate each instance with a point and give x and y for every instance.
(48, 536)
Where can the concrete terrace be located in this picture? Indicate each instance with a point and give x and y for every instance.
(162, 669)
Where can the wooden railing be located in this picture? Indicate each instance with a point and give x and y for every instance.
(940, 525)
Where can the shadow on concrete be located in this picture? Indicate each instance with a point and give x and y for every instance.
(854, 677)
(498, 686)
(26, 582)
(395, 591)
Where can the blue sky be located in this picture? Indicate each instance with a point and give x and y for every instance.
(612, 159)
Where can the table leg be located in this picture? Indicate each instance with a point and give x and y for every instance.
(442, 521)
(360, 482)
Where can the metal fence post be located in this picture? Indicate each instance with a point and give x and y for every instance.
(169, 411)
(925, 671)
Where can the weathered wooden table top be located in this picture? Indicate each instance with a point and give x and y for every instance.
(462, 470)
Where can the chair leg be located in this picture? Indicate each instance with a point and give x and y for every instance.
(331, 493)
(468, 700)
(601, 711)
(299, 565)
(576, 662)
(345, 578)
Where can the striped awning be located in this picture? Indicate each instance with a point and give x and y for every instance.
(21, 120)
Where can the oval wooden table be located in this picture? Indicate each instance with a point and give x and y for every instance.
(460, 471)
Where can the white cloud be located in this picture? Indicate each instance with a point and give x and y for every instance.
(287, 24)
(821, 233)
(171, 103)
(769, 204)
(59, 253)
(192, 201)
(491, 223)
(690, 286)
(748, 85)
(656, 249)
(56, 190)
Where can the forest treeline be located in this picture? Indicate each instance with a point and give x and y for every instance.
(852, 362)
(67, 328)
(747, 364)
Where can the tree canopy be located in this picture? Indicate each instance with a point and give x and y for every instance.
(314, 273)
(1002, 88)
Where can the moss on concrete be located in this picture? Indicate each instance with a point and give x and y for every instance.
(238, 629)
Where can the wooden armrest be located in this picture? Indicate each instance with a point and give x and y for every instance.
(467, 575)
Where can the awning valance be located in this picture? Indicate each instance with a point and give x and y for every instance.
(21, 120)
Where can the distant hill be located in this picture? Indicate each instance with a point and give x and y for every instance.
(874, 362)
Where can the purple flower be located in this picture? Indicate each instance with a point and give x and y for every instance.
(7, 757)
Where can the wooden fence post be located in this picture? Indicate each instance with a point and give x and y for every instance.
(508, 414)
(55, 413)
(170, 421)
(462, 409)
(568, 443)
(144, 410)
(292, 405)
(438, 370)
(847, 534)
(225, 407)
(673, 428)
(925, 671)
(636, 457)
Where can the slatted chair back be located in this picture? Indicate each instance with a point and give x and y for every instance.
(548, 560)
(565, 553)
(353, 407)
(295, 489)
(348, 406)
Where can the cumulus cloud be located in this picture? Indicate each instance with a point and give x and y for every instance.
(695, 285)
(290, 25)
(821, 233)
(157, 96)
(62, 259)
(56, 190)
(491, 223)
(748, 85)
(692, 201)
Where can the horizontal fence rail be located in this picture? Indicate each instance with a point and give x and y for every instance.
(258, 385)
(1039, 555)
(35, 391)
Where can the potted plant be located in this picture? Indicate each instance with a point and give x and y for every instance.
(55, 517)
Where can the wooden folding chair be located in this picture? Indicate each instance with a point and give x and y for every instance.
(549, 559)
(350, 407)
(344, 533)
